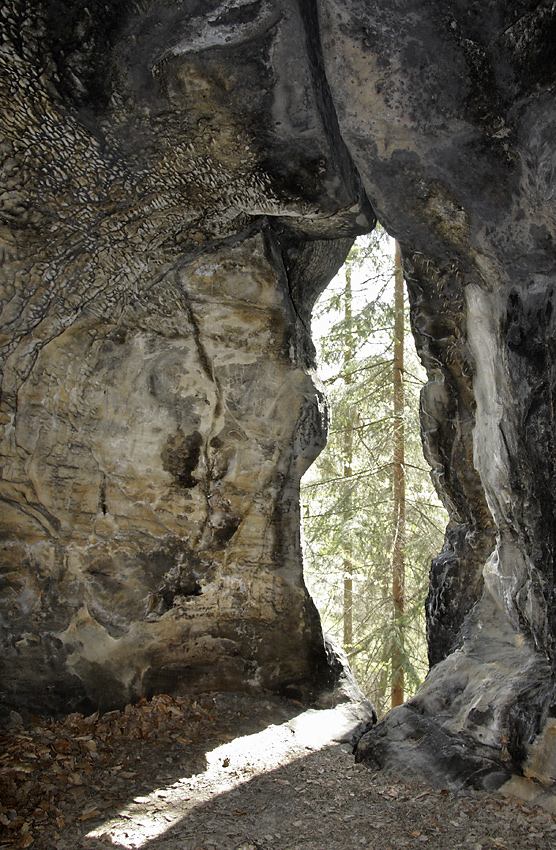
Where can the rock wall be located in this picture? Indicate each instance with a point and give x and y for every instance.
(448, 112)
(180, 182)
(174, 200)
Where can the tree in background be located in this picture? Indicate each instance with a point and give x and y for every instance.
(398, 489)
(372, 520)
(347, 438)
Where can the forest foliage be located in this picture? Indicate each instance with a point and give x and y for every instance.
(349, 516)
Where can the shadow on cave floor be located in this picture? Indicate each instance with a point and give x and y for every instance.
(262, 773)
(57, 776)
(288, 786)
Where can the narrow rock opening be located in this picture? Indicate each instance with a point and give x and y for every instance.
(372, 521)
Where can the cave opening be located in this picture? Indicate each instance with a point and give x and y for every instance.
(163, 183)
(371, 518)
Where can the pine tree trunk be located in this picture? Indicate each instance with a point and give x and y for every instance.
(348, 453)
(398, 553)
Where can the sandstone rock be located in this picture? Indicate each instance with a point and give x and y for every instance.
(174, 202)
(179, 183)
(440, 108)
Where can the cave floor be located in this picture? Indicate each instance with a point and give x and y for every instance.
(230, 772)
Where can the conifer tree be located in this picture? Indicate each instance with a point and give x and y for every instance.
(398, 490)
(354, 532)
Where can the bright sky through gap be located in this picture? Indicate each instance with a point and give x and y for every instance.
(364, 288)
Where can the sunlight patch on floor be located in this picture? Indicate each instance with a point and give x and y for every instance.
(228, 766)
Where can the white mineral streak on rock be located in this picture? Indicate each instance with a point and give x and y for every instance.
(508, 571)
(506, 567)
(490, 389)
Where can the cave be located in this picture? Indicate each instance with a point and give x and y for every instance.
(180, 182)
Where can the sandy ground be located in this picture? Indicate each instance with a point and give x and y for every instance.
(230, 772)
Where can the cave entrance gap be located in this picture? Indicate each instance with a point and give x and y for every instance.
(351, 532)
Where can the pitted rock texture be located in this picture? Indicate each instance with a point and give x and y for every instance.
(174, 200)
(180, 182)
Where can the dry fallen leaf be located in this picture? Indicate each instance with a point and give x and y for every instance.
(24, 768)
(26, 840)
(90, 811)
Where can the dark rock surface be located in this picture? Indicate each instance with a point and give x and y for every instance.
(180, 181)
(445, 109)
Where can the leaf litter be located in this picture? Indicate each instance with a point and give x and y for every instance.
(100, 781)
(57, 772)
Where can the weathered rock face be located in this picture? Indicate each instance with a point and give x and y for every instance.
(180, 181)
(171, 190)
(448, 110)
